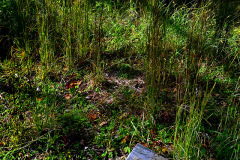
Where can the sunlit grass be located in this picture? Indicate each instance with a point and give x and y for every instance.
(107, 75)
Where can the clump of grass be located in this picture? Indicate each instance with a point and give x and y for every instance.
(179, 63)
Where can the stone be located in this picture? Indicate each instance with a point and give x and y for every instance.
(141, 152)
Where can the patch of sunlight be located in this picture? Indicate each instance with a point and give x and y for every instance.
(237, 31)
(214, 73)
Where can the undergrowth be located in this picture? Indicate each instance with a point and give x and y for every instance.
(91, 79)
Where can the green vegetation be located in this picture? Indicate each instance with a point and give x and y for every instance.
(91, 79)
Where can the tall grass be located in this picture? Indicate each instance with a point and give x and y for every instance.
(190, 57)
(179, 62)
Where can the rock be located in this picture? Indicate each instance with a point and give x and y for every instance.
(141, 152)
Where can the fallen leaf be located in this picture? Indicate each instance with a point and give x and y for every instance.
(72, 84)
(103, 123)
(104, 39)
(79, 82)
(124, 115)
(68, 96)
(165, 149)
(126, 138)
(66, 69)
(38, 99)
(92, 117)
(175, 90)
